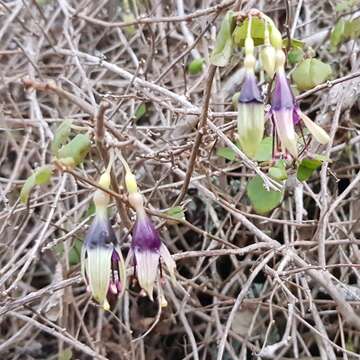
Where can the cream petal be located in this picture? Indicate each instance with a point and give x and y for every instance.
(250, 125)
(168, 260)
(316, 131)
(98, 269)
(147, 263)
(122, 271)
(285, 130)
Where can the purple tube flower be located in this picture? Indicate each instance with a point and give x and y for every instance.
(102, 264)
(286, 113)
(250, 121)
(147, 249)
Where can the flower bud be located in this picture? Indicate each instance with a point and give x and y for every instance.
(268, 57)
(275, 37)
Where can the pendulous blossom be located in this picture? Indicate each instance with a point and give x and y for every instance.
(146, 248)
(250, 119)
(286, 113)
(102, 264)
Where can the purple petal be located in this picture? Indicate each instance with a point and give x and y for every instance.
(250, 91)
(282, 96)
(100, 234)
(145, 236)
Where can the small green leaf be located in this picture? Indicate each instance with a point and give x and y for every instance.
(295, 43)
(278, 172)
(226, 153)
(75, 253)
(235, 100)
(61, 136)
(306, 168)
(176, 212)
(257, 32)
(311, 72)
(262, 200)
(65, 354)
(295, 55)
(77, 149)
(196, 66)
(337, 34)
(264, 152)
(352, 29)
(222, 52)
(140, 111)
(128, 17)
(40, 176)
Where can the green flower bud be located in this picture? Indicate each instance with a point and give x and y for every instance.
(268, 57)
(275, 37)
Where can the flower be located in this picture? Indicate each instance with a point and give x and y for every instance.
(102, 264)
(250, 119)
(286, 112)
(147, 248)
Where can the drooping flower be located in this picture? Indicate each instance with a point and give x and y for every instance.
(147, 249)
(102, 264)
(250, 119)
(286, 113)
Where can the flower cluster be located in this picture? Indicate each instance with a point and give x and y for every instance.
(102, 263)
(284, 111)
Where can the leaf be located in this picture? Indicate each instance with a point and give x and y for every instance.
(176, 212)
(295, 55)
(65, 354)
(278, 172)
(295, 43)
(310, 73)
(196, 66)
(257, 32)
(226, 153)
(262, 200)
(140, 111)
(40, 176)
(306, 168)
(61, 136)
(222, 52)
(352, 29)
(235, 100)
(77, 149)
(264, 152)
(337, 35)
(75, 253)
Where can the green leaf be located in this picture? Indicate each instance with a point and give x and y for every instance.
(222, 52)
(140, 111)
(306, 168)
(278, 172)
(128, 17)
(295, 43)
(176, 212)
(226, 153)
(65, 354)
(75, 253)
(40, 176)
(262, 200)
(235, 100)
(337, 34)
(352, 29)
(61, 136)
(196, 66)
(310, 73)
(77, 149)
(257, 32)
(264, 152)
(295, 55)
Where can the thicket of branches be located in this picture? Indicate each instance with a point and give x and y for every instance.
(281, 285)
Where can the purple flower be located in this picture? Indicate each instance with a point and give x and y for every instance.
(148, 251)
(286, 113)
(102, 264)
(250, 121)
